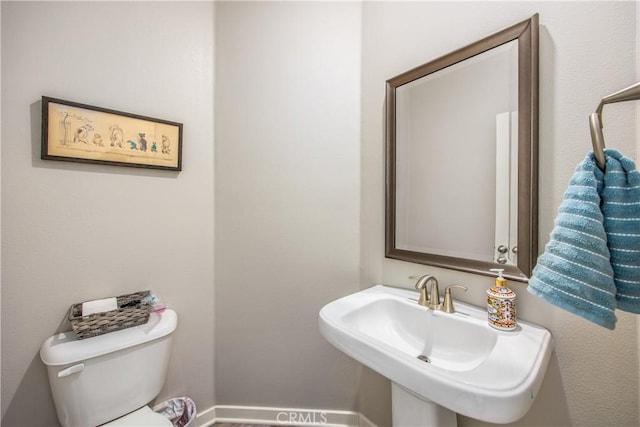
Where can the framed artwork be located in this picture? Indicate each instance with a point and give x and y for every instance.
(77, 132)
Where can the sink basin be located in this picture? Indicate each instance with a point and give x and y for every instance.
(454, 360)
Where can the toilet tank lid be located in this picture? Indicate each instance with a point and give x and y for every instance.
(64, 348)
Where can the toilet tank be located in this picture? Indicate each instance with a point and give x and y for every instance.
(102, 378)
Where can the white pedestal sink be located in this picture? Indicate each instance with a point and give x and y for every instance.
(411, 410)
(440, 364)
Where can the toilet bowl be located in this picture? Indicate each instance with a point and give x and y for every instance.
(112, 377)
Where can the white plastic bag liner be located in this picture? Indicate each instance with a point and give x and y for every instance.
(180, 410)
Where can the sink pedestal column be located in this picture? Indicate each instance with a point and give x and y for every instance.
(410, 410)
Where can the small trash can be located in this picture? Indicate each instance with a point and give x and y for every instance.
(181, 411)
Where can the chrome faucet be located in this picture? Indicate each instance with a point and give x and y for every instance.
(421, 285)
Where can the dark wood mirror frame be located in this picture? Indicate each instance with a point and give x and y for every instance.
(526, 34)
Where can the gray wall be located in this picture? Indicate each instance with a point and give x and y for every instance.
(287, 191)
(587, 50)
(74, 232)
(298, 188)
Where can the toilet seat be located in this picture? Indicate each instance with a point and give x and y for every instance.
(143, 417)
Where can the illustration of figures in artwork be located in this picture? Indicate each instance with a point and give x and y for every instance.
(116, 136)
(76, 132)
(84, 133)
(97, 140)
(166, 144)
(81, 133)
(143, 142)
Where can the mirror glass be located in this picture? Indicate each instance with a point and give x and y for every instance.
(461, 148)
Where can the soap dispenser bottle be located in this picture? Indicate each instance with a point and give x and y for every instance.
(501, 304)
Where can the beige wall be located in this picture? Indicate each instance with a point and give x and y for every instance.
(287, 191)
(587, 50)
(73, 232)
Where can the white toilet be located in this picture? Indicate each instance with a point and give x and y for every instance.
(110, 378)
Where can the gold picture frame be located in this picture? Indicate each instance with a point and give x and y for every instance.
(76, 132)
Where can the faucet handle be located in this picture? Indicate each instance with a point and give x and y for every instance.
(421, 285)
(447, 304)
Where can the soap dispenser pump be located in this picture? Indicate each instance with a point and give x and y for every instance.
(501, 304)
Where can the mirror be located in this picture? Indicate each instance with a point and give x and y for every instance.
(462, 157)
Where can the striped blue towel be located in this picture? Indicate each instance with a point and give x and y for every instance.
(621, 209)
(575, 271)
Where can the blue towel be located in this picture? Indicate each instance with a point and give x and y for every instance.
(591, 264)
(575, 271)
(621, 209)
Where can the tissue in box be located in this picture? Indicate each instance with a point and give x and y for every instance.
(99, 306)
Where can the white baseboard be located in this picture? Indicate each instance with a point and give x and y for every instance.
(281, 417)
